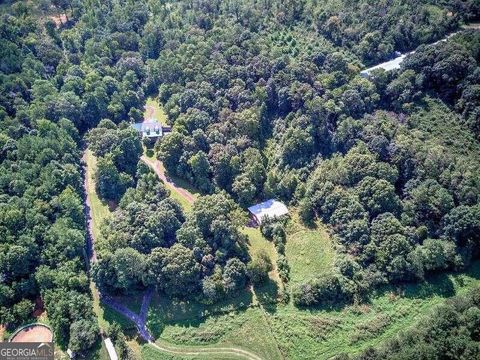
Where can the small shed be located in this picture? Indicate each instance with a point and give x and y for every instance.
(111, 349)
(387, 66)
(267, 209)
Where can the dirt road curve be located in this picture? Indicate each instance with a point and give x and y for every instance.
(140, 320)
(195, 351)
(155, 166)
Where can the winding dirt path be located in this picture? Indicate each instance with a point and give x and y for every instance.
(140, 320)
(155, 165)
(195, 351)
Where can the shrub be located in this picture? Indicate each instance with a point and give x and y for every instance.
(259, 267)
(325, 290)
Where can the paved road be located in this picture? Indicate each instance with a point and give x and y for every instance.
(138, 320)
(155, 165)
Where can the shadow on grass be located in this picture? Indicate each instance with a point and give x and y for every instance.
(182, 183)
(436, 284)
(444, 285)
(267, 295)
(95, 352)
(190, 313)
(112, 316)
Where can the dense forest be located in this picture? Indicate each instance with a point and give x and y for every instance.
(265, 100)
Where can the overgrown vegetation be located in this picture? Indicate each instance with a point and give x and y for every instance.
(265, 100)
(452, 330)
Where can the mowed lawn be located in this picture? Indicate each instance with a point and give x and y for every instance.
(257, 243)
(100, 210)
(309, 251)
(158, 113)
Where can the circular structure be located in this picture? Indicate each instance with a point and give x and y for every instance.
(32, 333)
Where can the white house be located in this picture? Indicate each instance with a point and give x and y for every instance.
(151, 129)
(268, 209)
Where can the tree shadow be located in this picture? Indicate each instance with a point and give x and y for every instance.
(112, 316)
(95, 351)
(181, 182)
(443, 285)
(337, 306)
(268, 295)
(436, 284)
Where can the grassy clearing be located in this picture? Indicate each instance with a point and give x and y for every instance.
(256, 243)
(150, 353)
(309, 251)
(268, 294)
(186, 206)
(165, 311)
(281, 331)
(312, 334)
(247, 329)
(100, 210)
(321, 334)
(153, 110)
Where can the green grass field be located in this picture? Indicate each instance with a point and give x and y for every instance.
(246, 329)
(314, 333)
(256, 243)
(309, 252)
(282, 331)
(100, 210)
(158, 112)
